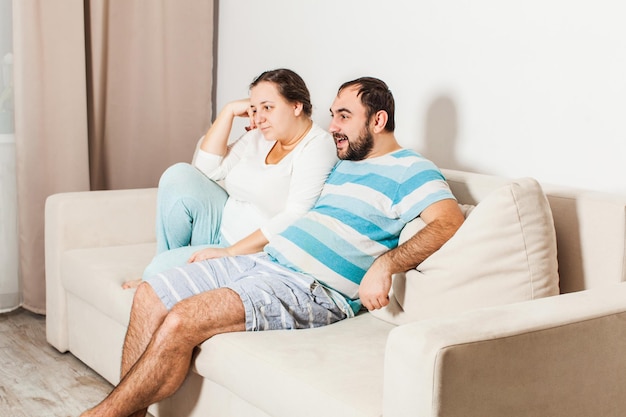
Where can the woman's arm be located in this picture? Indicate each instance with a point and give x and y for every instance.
(252, 243)
(214, 146)
(310, 170)
(216, 138)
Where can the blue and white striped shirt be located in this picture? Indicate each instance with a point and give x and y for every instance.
(359, 216)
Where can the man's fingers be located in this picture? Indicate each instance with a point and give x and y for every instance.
(376, 303)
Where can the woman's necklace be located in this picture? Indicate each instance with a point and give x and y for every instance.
(279, 151)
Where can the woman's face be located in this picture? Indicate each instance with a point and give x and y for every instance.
(273, 114)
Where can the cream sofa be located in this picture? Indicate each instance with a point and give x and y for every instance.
(562, 355)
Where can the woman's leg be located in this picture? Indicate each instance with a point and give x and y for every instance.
(189, 208)
(189, 215)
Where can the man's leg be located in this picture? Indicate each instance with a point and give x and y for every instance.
(146, 315)
(162, 368)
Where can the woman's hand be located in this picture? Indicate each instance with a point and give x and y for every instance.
(241, 108)
(253, 243)
(208, 253)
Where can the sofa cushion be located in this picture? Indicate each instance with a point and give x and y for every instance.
(504, 252)
(96, 275)
(332, 370)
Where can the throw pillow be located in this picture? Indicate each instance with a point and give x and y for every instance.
(504, 252)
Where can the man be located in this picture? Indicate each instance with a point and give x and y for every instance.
(323, 268)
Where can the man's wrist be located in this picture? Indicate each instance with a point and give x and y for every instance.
(384, 264)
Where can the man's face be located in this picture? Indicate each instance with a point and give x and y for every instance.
(350, 126)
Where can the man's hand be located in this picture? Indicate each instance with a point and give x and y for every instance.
(375, 286)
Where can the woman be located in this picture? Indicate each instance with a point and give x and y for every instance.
(272, 175)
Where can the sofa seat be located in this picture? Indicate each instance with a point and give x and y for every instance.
(108, 268)
(98, 308)
(303, 372)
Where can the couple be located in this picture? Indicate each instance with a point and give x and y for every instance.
(325, 266)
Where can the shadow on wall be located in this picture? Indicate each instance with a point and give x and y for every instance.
(441, 134)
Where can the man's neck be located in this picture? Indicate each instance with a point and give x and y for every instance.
(384, 143)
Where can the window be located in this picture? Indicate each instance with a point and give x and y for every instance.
(6, 76)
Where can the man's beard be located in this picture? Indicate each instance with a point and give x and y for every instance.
(359, 149)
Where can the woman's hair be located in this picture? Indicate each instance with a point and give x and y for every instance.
(375, 96)
(290, 85)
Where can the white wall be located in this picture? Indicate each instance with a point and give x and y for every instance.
(528, 88)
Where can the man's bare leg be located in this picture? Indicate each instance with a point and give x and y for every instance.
(162, 368)
(147, 314)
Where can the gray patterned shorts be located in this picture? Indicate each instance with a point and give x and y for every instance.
(274, 297)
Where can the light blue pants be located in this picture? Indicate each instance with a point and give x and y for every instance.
(189, 215)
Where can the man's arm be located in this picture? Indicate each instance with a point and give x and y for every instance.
(442, 219)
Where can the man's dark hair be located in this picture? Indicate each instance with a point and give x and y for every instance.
(290, 85)
(375, 96)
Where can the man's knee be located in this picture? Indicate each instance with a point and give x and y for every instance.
(179, 325)
(209, 313)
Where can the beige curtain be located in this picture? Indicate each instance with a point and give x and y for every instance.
(108, 93)
(151, 87)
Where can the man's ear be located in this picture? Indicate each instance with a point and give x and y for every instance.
(380, 121)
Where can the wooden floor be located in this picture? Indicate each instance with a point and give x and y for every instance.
(37, 380)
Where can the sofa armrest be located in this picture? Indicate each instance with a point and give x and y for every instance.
(89, 219)
(558, 356)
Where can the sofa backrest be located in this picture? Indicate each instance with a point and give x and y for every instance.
(590, 228)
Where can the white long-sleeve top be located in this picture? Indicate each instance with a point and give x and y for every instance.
(268, 196)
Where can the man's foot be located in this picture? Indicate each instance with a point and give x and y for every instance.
(131, 284)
